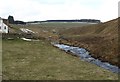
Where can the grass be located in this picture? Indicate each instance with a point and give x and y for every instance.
(100, 39)
(0, 57)
(24, 60)
(48, 26)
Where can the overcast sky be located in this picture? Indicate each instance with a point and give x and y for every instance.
(35, 10)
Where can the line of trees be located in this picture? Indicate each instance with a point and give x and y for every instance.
(12, 21)
(81, 20)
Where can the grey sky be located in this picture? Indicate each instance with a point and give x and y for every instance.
(30, 10)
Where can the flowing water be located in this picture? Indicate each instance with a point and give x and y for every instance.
(85, 55)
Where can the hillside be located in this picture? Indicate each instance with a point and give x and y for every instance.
(102, 28)
(61, 21)
(100, 39)
(29, 60)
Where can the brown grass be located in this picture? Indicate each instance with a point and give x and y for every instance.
(100, 39)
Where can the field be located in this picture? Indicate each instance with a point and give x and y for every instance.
(51, 26)
(39, 60)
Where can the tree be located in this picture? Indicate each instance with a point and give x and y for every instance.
(11, 19)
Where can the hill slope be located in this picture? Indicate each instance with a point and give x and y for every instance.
(100, 39)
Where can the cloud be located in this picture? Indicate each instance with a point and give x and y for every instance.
(29, 10)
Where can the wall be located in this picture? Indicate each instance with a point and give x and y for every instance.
(3, 27)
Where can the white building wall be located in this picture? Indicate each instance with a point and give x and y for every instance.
(3, 27)
(1, 21)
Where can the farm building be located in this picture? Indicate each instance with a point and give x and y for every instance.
(4, 25)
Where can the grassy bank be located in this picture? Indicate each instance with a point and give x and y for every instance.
(100, 39)
(41, 61)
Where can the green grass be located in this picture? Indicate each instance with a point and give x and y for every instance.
(41, 61)
(0, 57)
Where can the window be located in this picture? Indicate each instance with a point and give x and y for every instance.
(5, 27)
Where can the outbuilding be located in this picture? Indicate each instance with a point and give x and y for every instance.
(3, 26)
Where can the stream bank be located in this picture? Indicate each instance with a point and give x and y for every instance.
(85, 56)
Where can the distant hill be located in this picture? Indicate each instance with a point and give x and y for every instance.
(19, 22)
(106, 28)
(81, 20)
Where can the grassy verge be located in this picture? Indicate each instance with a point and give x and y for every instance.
(40, 61)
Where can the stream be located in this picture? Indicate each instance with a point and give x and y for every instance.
(85, 56)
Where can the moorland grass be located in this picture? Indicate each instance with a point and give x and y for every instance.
(39, 60)
(100, 39)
